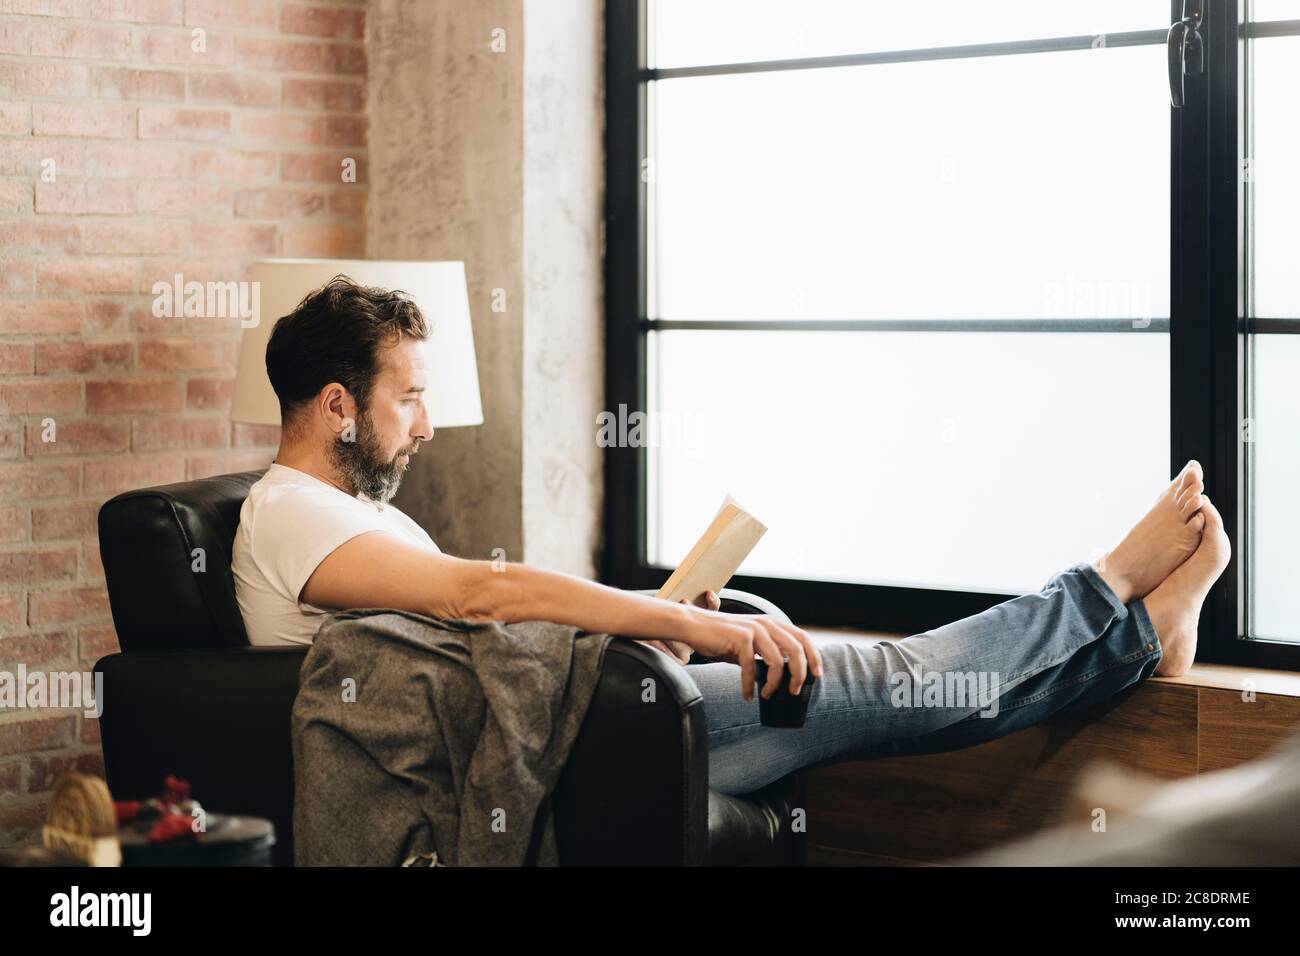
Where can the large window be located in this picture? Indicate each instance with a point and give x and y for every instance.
(938, 286)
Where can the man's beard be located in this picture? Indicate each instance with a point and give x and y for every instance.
(362, 465)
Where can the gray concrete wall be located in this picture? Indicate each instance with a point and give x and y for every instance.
(564, 179)
(446, 150)
(495, 157)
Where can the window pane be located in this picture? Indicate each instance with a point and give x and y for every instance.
(1275, 10)
(1276, 208)
(1275, 562)
(998, 187)
(979, 461)
(693, 32)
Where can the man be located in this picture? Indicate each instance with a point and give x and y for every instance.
(316, 534)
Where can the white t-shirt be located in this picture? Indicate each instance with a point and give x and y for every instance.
(289, 523)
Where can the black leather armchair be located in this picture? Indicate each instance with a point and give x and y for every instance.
(188, 695)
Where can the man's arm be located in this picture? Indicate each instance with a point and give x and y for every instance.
(377, 569)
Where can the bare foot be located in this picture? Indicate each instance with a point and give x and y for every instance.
(1175, 605)
(1164, 538)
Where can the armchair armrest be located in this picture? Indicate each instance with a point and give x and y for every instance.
(217, 717)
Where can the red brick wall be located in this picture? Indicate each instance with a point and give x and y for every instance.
(165, 160)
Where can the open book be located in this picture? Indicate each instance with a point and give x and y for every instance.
(710, 564)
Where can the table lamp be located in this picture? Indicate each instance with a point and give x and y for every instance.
(438, 288)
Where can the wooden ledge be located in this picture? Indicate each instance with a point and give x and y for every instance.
(1218, 676)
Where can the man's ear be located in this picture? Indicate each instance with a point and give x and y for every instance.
(337, 406)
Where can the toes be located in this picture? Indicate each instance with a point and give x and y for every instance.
(1192, 490)
(1193, 470)
(1197, 524)
(1191, 505)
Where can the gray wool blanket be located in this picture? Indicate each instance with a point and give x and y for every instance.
(422, 742)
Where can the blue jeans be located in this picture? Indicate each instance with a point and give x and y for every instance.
(1055, 652)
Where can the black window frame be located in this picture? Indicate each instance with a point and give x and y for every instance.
(1206, 327)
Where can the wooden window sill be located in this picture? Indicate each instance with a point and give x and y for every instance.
(1218, 676)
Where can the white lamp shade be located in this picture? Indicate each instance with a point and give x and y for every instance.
(438, 288)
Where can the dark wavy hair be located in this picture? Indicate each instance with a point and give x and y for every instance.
(334, 335)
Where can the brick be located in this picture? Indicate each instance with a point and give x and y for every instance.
(320, 167)
(15, 119)
(132, 395)
(245, 239)
(277, 128)
(83, 119)
(323, 240)
(345, 131)
(55, 521)
(90, 731)
(235, 89)
(103, 315)
(239, 14)
(186, 355)
(129, 83)
(43, 78)
(38, 398)
(37, 564)
(11, 442)
(77, 438)
(17, 277)
(77, 197)
(20, 822)
(116, 475)
(45, 237)
(278, 56)
(172, 432)
(67, 606)
(95, 641)
(164, 122)
(13, 610)
(92, 562)
(13, 525)
(82, 356)
(41, 158)
(81, 41)
(15, 37)
(330, 22)
(39, 316)
(278, 203)
(45, 733)
(184, 199)
(347, 58)
(15, 198)
(42, 772)
(40, 481)
(38, 651)
(176, 48)
(154, 160)
(63, 277)
(136, 11)
(334, 96)
(11, 778)
(127, 238)
(237, 165)
(17, 358)
(206, 394)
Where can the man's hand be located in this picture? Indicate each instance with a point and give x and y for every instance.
(678, 651)
(737, 638)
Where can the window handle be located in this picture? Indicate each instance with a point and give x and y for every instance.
(1185, 50)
